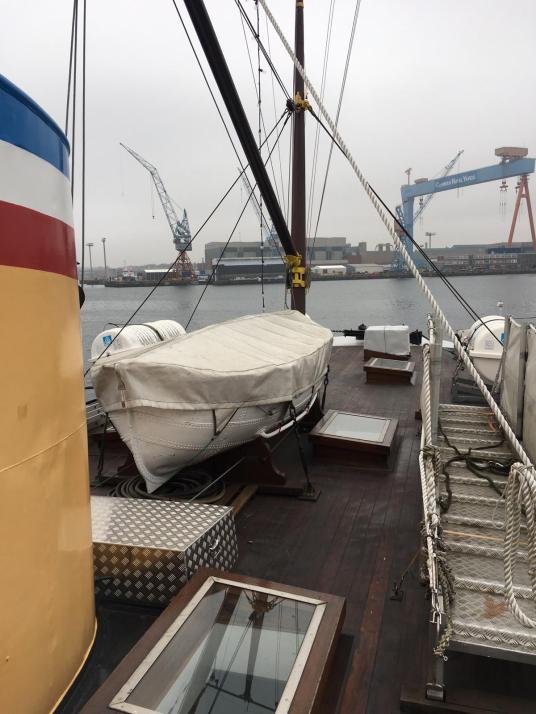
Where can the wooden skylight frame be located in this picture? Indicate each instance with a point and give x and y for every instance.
(306, 681)
(325, 433)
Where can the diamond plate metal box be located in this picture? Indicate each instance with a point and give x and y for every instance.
(145, 551)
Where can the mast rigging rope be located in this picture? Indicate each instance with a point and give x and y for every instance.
(463, 302)
(275, 112)
(257, 93)
(75, 74)
(403, 251)
(327, 45)
(235, 225)
(71, 58)
(174, 263)
(242, 166)
(208, 86)
(83, 206)
(455, 292)
(205, 78)
(261, 123)
(263, 49)
(337, 115)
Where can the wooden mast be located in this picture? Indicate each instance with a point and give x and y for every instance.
(298, 160)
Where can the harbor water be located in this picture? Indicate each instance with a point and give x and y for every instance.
(340, 304)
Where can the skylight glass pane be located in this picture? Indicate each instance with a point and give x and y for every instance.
(356, 426)
(233, 655)
(389, 364)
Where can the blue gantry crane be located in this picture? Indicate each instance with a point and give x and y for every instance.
(425, 200)
(514, 162)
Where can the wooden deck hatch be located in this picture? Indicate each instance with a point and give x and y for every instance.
(389, 371)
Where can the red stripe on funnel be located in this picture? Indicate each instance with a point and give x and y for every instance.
(29, 239)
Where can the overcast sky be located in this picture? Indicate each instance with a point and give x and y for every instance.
(427, 78)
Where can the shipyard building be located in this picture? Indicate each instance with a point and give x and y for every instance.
(242, 260)
(334, 255)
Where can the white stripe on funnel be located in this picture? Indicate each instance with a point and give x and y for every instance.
(29, 181)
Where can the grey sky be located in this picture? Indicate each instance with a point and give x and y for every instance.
(426, 79)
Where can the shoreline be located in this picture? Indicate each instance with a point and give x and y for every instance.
(386, 275)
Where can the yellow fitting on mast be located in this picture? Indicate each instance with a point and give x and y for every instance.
(297, 271)
(301, 104)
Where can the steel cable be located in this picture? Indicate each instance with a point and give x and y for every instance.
(258, 95)
(337, 115)
(71, 62)
(234, 227)
(327, 44)
(174, 263)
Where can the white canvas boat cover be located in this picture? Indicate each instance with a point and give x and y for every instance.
(390, 339)
(252, 360)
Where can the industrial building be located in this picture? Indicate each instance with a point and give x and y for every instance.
(329, 270)
(237, 249)
(488, 262)
(237, 270)
(323, 251)
(479, 249)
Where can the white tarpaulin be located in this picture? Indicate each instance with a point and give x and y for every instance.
(529, 408)
(513, 374)
(389, 339)
(253, 360)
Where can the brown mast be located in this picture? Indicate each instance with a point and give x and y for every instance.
(298, 161)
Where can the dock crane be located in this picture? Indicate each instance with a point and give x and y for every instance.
(514, 162)
(268, 231)
(398, 263)
(180, 229)
(426, 199)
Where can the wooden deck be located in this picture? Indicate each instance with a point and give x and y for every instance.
(356, 541)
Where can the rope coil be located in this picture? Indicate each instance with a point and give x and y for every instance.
(520, 495)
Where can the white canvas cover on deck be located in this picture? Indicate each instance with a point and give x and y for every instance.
(389, 339)
(513, 374)
(252, 360)
(529, 407)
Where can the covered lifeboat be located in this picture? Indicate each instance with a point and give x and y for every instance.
(182, 400)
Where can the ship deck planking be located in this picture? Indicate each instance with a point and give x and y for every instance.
(355, 541)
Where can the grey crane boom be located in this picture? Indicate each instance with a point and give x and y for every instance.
(179, 228)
